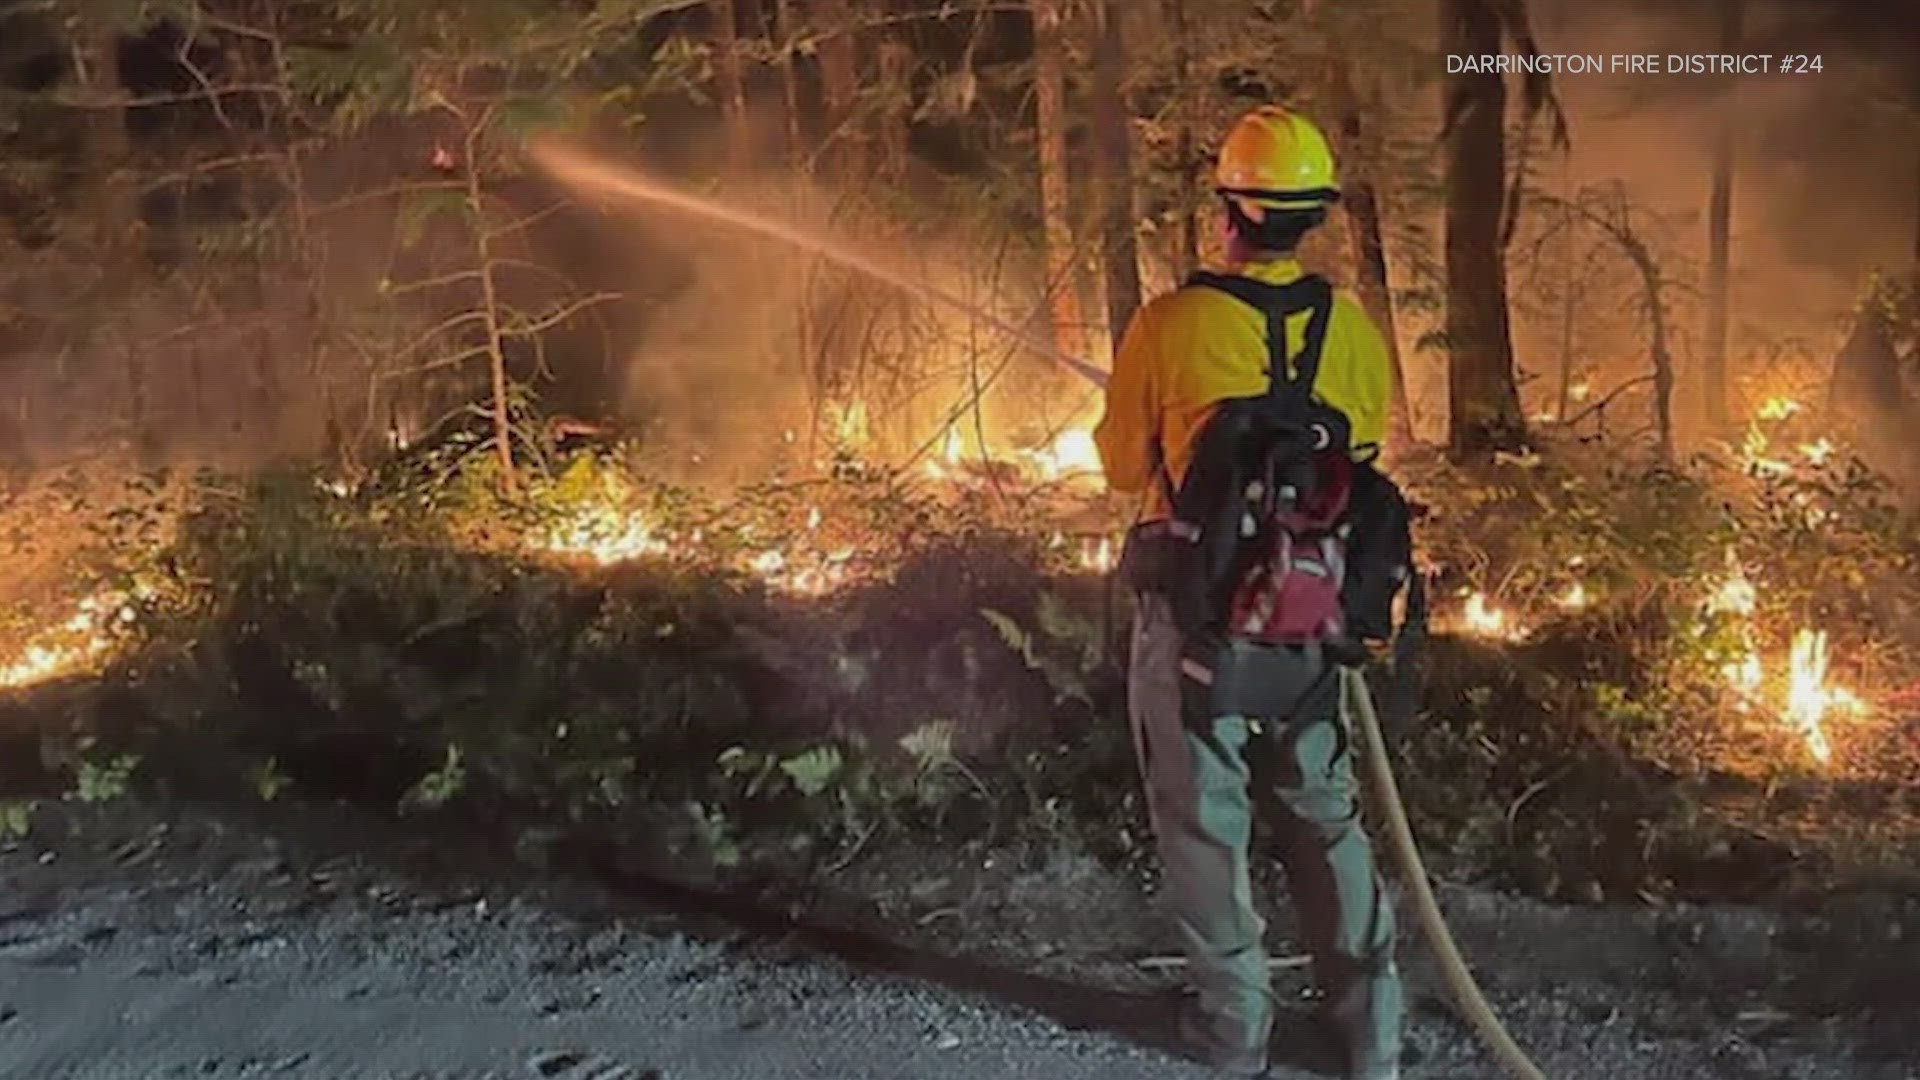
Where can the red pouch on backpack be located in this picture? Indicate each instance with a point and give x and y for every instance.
(1291, 595)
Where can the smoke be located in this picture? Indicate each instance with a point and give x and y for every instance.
(1825, 177)
(792, 336)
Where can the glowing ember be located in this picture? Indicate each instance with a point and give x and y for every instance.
(1745, 675)
(1580, 391)
(84, 638)
(1736, 594)
(1753, 453)
(816, 581)
(803, 574)
(604, 534)
(1575, 598)
(1818, 452)
(1736, 597)
(813, 519)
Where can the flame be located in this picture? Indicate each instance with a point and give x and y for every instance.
(82, 639)
(1072, 452)
(803, 574)
(1809, 699)
(1735, 594)
(1097, 557)
(602, 533)
(1581, 390)
(1778, 408)
(1817, 452)
(1575, 598)
(1485, 620)
(813, 518)
(1754, 451)
(1808, 696)
(1746, 674)
(850, 424)
(944, 466)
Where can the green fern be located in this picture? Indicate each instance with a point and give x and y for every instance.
(815, 770)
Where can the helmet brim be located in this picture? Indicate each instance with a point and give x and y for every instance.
(1272, 199)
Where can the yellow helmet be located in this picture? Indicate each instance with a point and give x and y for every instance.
(1276, 159)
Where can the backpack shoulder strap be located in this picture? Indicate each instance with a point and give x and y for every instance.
(1277, 302)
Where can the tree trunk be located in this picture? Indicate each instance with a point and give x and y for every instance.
(840, 85)
(1056, 190)
(896, 121)
(105, 200)
(1867, 387)
(731, 73)
(1484, 397)
(1663, 380)
(1186, 234)
(1569, 292)
(499, 388)
(1113, 140)
(1866, 373)
(1719, 230)
(1360, 153)
(785, 29)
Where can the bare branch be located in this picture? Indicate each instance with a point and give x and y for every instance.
(529, 220)
(560, 314)
(201, 168)
(1607, 400)
(427, 337)
(405, 187)
(218, 22)
(70, 100)
(184, 57)
(470, 274)
(548, 272)
(453, 360)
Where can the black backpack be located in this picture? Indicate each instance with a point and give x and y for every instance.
(1259, 445)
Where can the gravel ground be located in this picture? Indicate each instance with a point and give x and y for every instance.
(309, 943)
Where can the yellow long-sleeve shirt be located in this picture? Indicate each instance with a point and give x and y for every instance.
(1188, 350)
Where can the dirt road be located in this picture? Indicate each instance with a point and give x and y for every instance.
(310, 944)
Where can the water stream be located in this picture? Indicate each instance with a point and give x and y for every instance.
(585, 172)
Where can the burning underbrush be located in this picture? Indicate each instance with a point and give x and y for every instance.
(1648, 683)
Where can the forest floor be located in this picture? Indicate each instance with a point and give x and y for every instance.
(140, 939)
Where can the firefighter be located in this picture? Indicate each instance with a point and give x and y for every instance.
(1183, 353)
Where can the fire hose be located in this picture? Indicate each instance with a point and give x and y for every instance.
(1406, 856)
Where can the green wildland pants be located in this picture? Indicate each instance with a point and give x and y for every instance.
(1204, 780)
